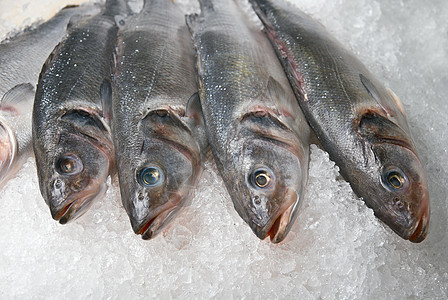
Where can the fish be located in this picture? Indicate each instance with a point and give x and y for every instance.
(359, 122)
(15, 129)
(21, 59)
(71, 115)
(157, 120)
(258, 135)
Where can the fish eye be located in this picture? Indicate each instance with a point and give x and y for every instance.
(261, 178)
(394, 179)
(151, 176)
(69, 164)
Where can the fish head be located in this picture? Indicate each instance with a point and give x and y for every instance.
(403, 191)
(76, 178)
(163, 175)
(73, 170)
(396, 183)
(8, 150)
(267, 175)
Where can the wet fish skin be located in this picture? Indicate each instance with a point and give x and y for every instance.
(15, 129)
(156, 127)
(71, 135)
(21, 59)
(359, 122)
(22, 56)
(257, 133)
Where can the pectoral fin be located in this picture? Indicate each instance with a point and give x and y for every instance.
(19, 98)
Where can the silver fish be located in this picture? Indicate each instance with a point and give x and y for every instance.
(157, 120)
(255, 128)
(15, 129)
(71, 136)
(359, 122)
(21, 59)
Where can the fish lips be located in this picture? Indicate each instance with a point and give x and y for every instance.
(418, 227)
(406, 211)
(76, 204)
(278, 226)
(156, 221)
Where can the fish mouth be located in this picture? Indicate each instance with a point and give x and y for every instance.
(279, 229)
(157, 223)
(421, 227)
(78, 203)
(8, 149)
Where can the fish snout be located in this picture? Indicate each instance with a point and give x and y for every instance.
(66, 206)
(155, 223)
(274, 223)
(149, 217)
(422, 221)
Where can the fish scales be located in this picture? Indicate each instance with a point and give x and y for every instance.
(71, 136)
(253, 124)
(21, 59)
(22, 56)
(359, 122)
(158, 140)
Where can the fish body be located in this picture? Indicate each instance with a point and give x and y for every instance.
(360, 123)
(71, 135)
(257, 133)
(157, 124)
(21, 59)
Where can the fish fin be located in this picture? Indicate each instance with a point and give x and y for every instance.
(192, 22)
(276, 91)
(18, 98)
(207, 153)
(283, 102)
(74, 20)
(106, 98)
(315, 140)
(194, 108)
(376, 128)
(206, 5)
(376, 95)
(194, 111)
(397, 101)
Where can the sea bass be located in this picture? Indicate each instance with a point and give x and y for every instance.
(257, 133)
(157, 123)
(71, 136)
(359, 122)
(21, 59)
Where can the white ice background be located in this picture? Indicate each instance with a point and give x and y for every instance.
(337, 248)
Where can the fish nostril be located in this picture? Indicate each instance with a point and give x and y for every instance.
(58, 184)
(398, 202)
(140, 197)
(257, 200)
